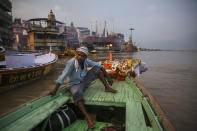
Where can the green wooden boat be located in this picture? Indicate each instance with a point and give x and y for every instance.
(142, 113)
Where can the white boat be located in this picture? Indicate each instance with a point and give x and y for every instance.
(18, 69)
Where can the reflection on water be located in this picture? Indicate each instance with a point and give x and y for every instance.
(171, 79)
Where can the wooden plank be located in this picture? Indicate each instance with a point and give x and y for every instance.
(134, 117)
(81, 125)
(149, 129)
(95, 92)
(105, 103)
(34, 117)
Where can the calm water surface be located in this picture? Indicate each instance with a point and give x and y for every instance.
(171, 80)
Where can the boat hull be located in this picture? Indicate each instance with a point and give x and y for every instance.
(16, 77)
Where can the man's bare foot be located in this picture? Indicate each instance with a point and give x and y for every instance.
(110, 81)
(110, 90)
(53, 92)
(90, 123)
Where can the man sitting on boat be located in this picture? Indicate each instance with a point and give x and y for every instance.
(80, 78)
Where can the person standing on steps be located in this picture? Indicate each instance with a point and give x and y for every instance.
(80, 78)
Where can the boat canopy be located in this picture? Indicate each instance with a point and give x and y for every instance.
(28, 60)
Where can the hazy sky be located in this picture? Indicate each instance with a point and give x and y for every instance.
(164, 24)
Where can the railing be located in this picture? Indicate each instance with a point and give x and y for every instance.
(40, 28)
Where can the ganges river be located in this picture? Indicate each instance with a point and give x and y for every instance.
(171, 79)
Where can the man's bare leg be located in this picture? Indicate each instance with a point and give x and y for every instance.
(110, 81)
(83, 110)
(107, 87)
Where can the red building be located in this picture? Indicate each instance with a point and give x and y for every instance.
(20, 35)
(101, 43)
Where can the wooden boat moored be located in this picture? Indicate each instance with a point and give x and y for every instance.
(21, 68)
(70, 52)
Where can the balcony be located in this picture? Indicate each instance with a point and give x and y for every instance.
(41, 29)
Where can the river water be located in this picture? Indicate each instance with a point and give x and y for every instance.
(171, 79)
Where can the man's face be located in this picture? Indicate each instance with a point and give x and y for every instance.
(81, 56)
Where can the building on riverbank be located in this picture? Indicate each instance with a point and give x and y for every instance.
(20, 36)
(110, 42)
(72, 36)
(6, 22)
(129, 46)
(83, 32)
(104, 41)
(45, 33)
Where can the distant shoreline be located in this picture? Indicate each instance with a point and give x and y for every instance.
(172, 50)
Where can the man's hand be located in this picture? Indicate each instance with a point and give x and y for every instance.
(53, 92)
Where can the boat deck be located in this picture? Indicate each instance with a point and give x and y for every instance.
(38, 110)
(81, 125)
(126, 97)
